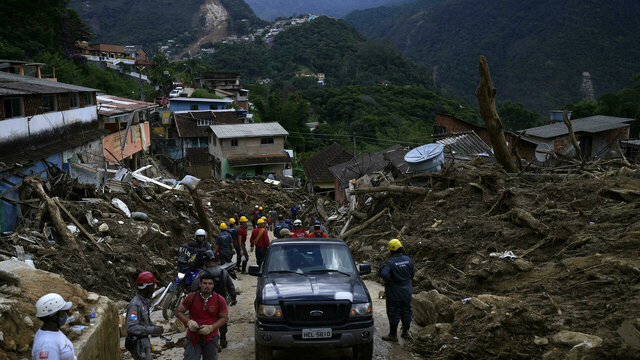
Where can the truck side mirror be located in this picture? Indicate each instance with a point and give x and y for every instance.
(364, 269)
(254, 270)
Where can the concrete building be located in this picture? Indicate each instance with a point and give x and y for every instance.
(191, 104)
(248, 149)
(44, 125)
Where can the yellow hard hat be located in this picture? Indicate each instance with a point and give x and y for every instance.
(243, 219)
(260, 221)
(232, 221)
(223, 226)
(260, 208)
(394, 244)
(264, 218)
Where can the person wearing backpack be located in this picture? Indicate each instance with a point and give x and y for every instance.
(317, 231)
(207, 314)
(279, 226)
(223, 285)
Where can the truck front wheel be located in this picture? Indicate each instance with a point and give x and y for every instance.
(363, 351)
(263, 352)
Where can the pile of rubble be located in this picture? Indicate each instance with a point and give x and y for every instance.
(539, 264)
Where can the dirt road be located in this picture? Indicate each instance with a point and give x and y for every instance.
(241, 329)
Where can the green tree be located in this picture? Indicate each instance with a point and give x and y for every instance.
(515, 116)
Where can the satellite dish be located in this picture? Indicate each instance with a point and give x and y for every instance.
(542, 152)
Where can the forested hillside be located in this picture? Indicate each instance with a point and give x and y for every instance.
(271, 9)
(325, 46)
(148, 22)
(537, 50)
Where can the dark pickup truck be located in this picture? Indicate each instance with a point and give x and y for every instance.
(310, 295)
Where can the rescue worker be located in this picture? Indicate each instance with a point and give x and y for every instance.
(397, 272)
(312, 228)
(285, 233)
(254, 216)
(241, 238)
(200, 241)
(261, 213)
(224, 244)
(289, 224)
(317, 231)
(223, 284)
(294, 211)
(233, 231)
(273, 216)
(260, 240)
(297, 229)
(138, 322)
(50, 342)
(207, 314)
(279, 226)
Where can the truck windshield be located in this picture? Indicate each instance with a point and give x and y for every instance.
(310, 258)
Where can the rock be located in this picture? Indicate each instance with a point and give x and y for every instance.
(10, 290)
(27, 320)
(431, 307)
(103, 228)
(540, 341)
(8, 277)
(93, 297)
(479, 304)
(572, 338)
(522, 265)
(440, 330)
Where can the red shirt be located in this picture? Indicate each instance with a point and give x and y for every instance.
(241, 235)
(263, 240)
(299, 233)
(204, 313)
(317, 234)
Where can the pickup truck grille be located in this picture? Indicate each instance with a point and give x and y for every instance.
(333, 313)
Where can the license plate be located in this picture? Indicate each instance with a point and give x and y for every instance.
(316, 333)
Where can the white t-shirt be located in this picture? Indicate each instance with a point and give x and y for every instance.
(52, 345)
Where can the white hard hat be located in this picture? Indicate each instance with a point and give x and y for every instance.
(257, 206)
(50, 304)
(201, 232)
(297, 222)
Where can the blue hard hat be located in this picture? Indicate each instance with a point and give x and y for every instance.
(288, 221)
(317, 222)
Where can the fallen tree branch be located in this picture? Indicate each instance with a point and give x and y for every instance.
(364, 225)
(392, 189)
(524, 218)
(54, 213)
(572, 135)
(202, 216)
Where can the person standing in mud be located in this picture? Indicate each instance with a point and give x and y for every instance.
(224, 243)
(397, 272)
(138, 323)
(241, 239)
(233, 231)
(260, 239)
(207, 314)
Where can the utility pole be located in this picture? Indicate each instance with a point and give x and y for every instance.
(354, 144)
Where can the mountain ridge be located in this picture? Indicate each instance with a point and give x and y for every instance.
(271, 9)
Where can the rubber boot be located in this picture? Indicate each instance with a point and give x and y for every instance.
(244, 266)
(390, 337)
(405, 334)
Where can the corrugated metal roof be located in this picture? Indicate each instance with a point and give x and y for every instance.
(468, 143)
(591, 124)
(225, 100)
(12, 84)
(248, 130)
(112, 105)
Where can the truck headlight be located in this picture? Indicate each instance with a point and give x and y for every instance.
(270, 311)
(361, 310)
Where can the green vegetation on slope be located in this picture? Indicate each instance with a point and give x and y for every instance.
(622, 103)
(271, 9)
(325, 46)
(537, 50)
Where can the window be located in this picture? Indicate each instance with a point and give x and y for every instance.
(12, 107)
(193, 107)
(266, 140)
(234, 142)
(213, 107)
(204, 122)
(73, 100)
(88, 99)
(48, 103)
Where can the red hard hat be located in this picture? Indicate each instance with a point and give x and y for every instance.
(146, 277)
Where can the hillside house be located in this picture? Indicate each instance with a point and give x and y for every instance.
(43, 124)
(357, 167)
(192, 104)
(248, 149)
(229, 82)
(22, 68)
(316, 168)
(128, 123)
(597, 135)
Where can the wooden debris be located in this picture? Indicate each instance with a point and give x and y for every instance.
(364, 225)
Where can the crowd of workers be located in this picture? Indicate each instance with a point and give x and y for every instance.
(206, 322)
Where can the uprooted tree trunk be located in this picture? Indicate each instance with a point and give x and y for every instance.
(392, 189)
(486, 95)
(572, 135)
(202, 216)
(54, 213)
(363, 225)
